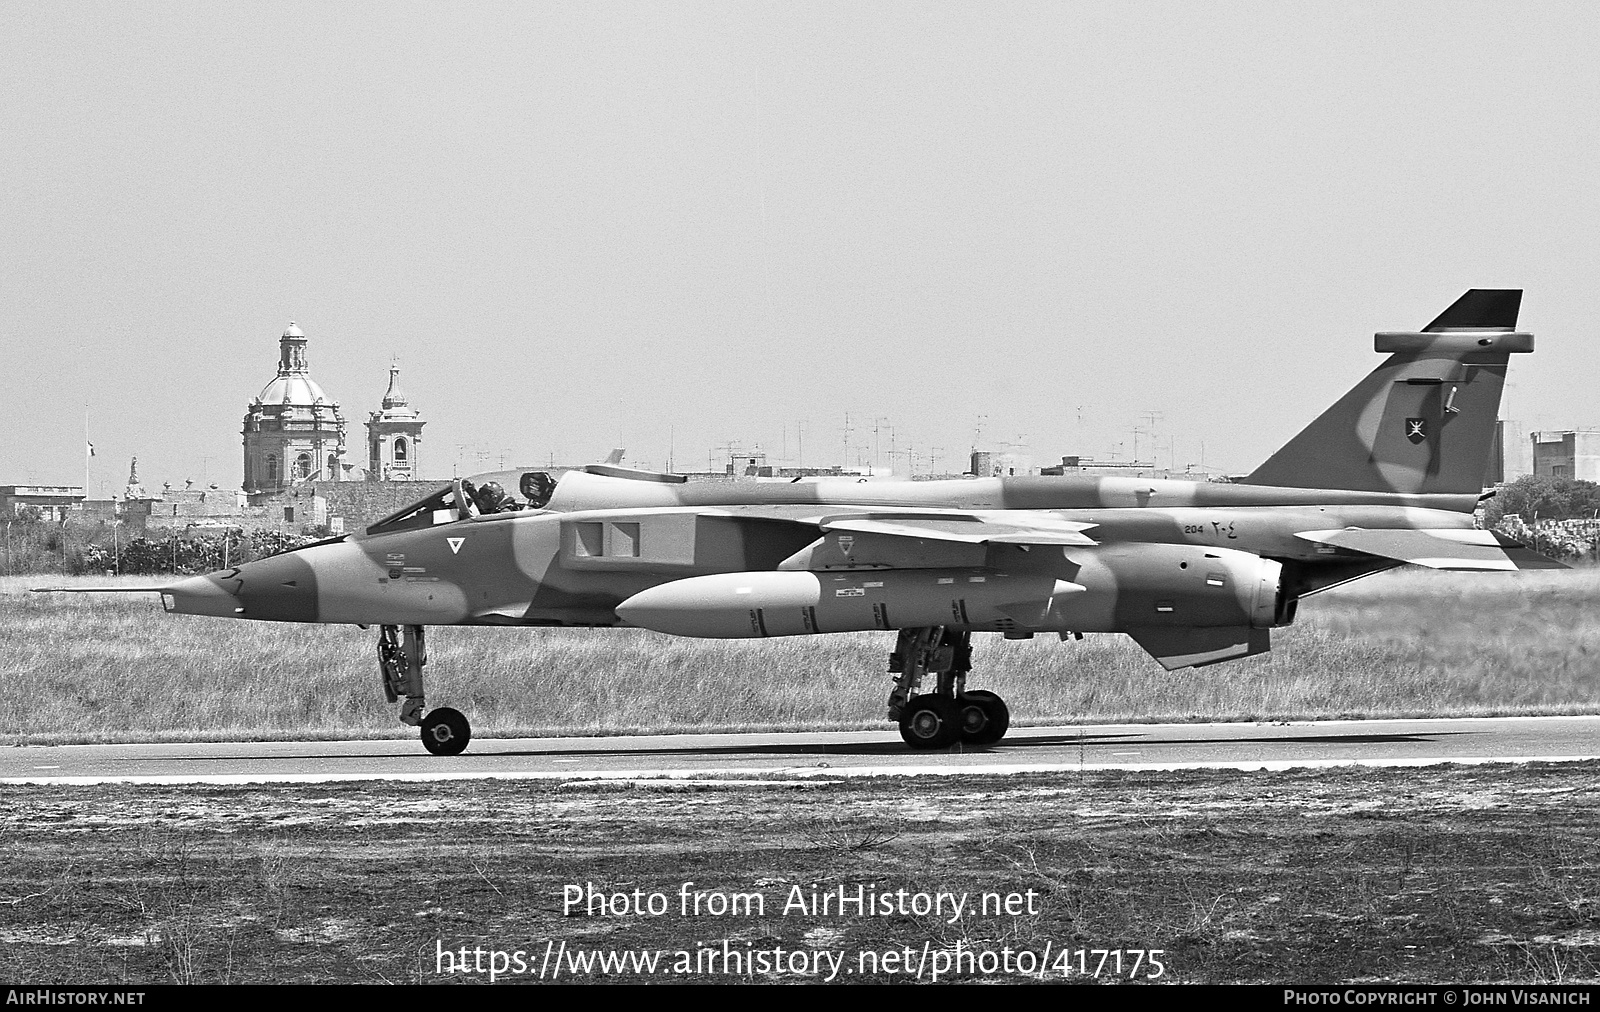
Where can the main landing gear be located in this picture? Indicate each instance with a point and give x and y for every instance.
(401, 657)
(950, 713)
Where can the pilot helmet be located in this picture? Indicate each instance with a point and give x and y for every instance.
(537, 486)
(491, 493)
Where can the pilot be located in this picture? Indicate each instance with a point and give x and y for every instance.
(538, 487)
(491, 498)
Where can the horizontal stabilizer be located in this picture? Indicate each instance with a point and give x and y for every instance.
(1443, 549)
(1189, 647)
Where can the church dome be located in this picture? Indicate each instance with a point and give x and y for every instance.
(293, 386)
(297, 389)
(292, 431)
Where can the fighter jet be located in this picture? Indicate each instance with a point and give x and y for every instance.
(1195, 572)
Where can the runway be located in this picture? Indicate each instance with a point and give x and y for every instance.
(824, 754)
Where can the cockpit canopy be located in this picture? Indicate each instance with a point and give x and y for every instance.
(470, 497)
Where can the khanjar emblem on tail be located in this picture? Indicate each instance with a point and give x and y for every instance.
(1416, 429)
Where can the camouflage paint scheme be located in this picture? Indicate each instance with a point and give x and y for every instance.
(1196, 572)
(1134, 542)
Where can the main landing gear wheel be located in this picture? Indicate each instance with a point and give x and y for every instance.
(950, 713)
(985, 718)
(445, 731)
(930, 721)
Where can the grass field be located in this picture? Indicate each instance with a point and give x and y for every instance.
(1444, 874)
(115, 668)
(1448, 874)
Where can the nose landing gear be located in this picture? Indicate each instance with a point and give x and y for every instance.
(401, 657)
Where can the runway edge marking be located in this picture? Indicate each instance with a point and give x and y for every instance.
(734, 776)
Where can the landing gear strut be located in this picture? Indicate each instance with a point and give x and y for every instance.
(401, 657)
(950, 713)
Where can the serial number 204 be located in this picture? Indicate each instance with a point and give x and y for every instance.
(1214, 528)
(1093, 962)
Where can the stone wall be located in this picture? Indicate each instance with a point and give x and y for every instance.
(363, 502)
(196, 504)
(305, 508)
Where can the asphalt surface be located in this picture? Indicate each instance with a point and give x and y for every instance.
(827, 754)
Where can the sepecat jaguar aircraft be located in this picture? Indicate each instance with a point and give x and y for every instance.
(1195, 572)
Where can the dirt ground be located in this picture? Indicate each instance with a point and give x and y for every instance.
(1442, 874)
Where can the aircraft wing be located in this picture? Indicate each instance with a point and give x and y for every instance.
(1440, 549)
(901, 538)
(975, 527)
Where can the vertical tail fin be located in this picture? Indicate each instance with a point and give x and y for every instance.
(1424, 420)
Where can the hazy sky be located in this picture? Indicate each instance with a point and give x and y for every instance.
(682, 225)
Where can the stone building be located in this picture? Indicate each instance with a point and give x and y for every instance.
(1511, 457)
(393, 435)
(297, 475)
(292, 431)
(1569, 453)
(53, 502)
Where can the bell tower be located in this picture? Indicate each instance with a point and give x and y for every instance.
(394, 435)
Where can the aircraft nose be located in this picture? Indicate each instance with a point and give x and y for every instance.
(282, 588)
(211, 594)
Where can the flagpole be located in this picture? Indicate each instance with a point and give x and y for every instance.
(87, 451)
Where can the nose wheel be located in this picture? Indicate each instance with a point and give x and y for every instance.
(445, 731)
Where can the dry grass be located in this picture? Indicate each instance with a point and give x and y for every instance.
(114, 667)
(1442, 875)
